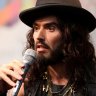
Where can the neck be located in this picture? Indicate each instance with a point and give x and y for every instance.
(58, 74)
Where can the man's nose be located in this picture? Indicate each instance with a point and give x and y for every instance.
(41, 35)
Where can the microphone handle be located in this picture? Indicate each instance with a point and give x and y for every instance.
(19, 82)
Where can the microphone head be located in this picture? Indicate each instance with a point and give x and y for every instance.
(29, 56)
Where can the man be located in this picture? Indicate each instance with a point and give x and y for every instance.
(66, 61)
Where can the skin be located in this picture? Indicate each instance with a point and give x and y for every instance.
(45, 30)
(50, 35)
(13, 69)
(10, 73)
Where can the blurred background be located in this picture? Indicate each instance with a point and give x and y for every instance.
(13, 31)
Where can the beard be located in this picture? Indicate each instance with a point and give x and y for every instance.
(55, 56)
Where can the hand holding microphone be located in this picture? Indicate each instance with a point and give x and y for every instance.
(28, 59)
(12, 71)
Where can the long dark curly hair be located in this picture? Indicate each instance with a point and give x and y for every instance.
(79, 54)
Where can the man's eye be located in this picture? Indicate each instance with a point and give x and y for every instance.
(52, 28)
(35, 28)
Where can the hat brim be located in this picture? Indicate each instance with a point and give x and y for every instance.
(67, 13)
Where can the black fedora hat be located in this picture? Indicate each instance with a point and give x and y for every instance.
(68, 10)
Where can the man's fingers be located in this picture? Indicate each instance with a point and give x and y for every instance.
(15, 63)
(8, 80)
(16, 66)
(12, 73)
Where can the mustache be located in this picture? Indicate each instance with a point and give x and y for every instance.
(42, 43)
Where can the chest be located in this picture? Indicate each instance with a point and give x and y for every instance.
(40, 90)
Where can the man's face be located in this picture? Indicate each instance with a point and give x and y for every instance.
(47, 37)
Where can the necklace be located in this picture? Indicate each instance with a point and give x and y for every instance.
(64, 91)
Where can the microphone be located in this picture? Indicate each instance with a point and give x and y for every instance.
(28, 59)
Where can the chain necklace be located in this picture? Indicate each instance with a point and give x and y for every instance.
(64, 91)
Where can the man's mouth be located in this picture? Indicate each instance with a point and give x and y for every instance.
(41, 48)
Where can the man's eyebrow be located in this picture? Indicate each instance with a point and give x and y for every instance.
(52, 23)
(47, 24)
